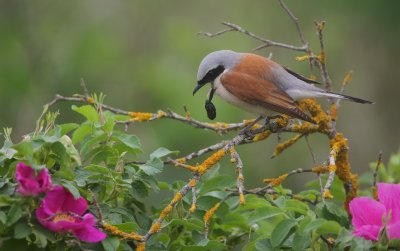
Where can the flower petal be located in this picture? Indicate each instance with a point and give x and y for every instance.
(23, 171)
(369, 232)
(73, 205)
(394, 230)
(44, 180)
(366, 211)
(88, 232)
(28, 187)
(54, 200)
(389, 195)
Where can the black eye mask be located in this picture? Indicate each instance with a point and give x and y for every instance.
(210, 108)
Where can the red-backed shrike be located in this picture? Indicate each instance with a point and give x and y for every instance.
(258, 85)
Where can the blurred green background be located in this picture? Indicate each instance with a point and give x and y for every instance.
(144, 56)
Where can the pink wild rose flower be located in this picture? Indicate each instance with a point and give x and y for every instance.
(31, 184)
(370, 215)
(59, 211)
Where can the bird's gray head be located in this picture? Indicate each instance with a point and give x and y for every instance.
(213, 65)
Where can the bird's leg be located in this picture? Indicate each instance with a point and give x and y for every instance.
(249, 126)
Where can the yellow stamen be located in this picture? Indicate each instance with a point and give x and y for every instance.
(63, 217)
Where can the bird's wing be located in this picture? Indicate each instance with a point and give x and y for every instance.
(301, 77)
(262, 93)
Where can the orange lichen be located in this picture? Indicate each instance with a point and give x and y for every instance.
(302, 58)
(115, 231)
(211, 161)
(207, 216)
(192, 182)
(319, 169)
(318, 114)
(327, 194)
(177, 197)
(155, 228)
(161, 114)
(283, 146)
(347, 78)
(166, 211)
(242, 199)
(192, 209)
(261, 136)
(332, 168)
(141, 246)
(322, 57)
(339, 146)
(282, 121)
(181, 160)
(140, 116)
(313, 77)
(276, 181)
(333, 112)
(219, 125)
(90, 100)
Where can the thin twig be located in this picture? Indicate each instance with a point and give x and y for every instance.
(295, 20)
(266, 42)
(378, 164)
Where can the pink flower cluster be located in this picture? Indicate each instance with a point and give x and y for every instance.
(371, 216)
(59, 211)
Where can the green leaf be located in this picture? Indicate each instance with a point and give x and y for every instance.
(14, 214)
(296, 206)
(329, 227)
(192, 224)
(216, 183)
(152, 167)
(6, 200)
(22, 230)
(25, 148)
(360, 244)
(301, 240)
(313, 225)
(98, 169)
(282, 231)
(70, 149)
(205, 245)
(81, 132)
(88, 112)
(110, 243)
(131, 141)
(162, 152)
(66, 128)
(127, 227)
(73, 190)
(263, 213)
(40, 239)
(3, 217)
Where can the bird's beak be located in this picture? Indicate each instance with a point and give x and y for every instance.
(198, 86)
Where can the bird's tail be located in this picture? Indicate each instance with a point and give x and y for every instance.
(346, 97)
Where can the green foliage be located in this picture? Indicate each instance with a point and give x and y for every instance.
(94, 155)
